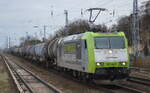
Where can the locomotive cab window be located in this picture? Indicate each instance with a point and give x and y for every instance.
(110, 42)
(101, 43)
(117, 42)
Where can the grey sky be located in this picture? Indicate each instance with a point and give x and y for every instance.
(19, 16)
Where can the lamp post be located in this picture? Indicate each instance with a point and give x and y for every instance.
(44, 31)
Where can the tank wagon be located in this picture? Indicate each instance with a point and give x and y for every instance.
(88, 55)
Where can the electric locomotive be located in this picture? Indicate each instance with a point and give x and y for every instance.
(94, 55)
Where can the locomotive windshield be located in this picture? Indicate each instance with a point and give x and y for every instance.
(109, 42)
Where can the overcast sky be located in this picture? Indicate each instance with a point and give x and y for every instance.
(18, 17)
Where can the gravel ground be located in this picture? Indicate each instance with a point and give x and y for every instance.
(6, 83)
(143, 74)
(64, 84)
(142, 62)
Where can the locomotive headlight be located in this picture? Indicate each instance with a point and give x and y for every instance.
(101, 63)
(110, 51)
(123, 63)
(98, 64)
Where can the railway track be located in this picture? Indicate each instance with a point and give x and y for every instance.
(113, 88)
(127, 89)
(118, 88)
(26, 81)
(139, 80)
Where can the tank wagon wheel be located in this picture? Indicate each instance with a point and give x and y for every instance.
(42, 64)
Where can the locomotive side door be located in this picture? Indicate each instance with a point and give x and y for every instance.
(84, 55)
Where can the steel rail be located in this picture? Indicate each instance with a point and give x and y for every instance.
(23, 80)
(47, 84)
(133, 90)
(139, 80)
(118, 88)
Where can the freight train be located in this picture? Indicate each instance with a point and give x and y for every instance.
(87, 55)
